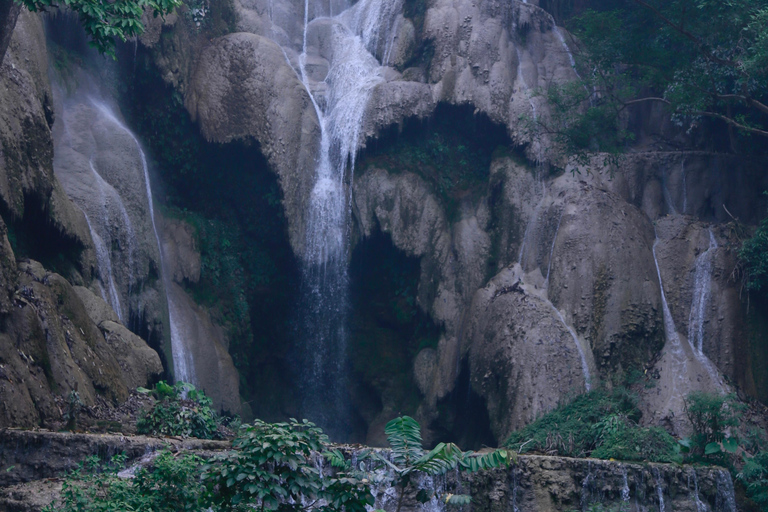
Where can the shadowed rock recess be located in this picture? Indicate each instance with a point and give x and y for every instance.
(338, 209)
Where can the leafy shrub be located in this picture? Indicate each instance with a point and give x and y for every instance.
(272, 467)
(570, 429)
(635, 443)
(180, 410)
(408, 457)
(754, 476)
(714, 419)
(169, 484)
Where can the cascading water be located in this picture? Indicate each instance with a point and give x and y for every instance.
(700, 506)
(356, 37)
(725, 499)
(702, 285)
(680, 371)
(659, 489)
(182, 358)
(625, 486)
(105, 271)
(684, 368)
(702, 279)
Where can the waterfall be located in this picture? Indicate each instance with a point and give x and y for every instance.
(625, 485)
(353, 73)
(702, 279)
(700, 506)
(659, 488)
(670, 332)
(725, 499)
(182, 359)
(515, 489)
(105, 270)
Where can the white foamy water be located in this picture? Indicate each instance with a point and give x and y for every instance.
(357, 35)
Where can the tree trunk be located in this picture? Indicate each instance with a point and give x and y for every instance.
(9, 12)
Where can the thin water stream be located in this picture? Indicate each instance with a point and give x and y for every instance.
(182, 357)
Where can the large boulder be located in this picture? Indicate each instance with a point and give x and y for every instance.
(51, 346)
(522, 354)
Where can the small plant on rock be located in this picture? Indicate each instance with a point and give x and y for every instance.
(714, 419)
(180, 410)
(409, 458)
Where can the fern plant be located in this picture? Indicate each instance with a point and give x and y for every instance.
(409, 458)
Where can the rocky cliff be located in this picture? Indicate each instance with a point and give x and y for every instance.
(540, 278)
(57, 336)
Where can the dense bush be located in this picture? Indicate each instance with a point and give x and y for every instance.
(633, 442)
(570, 429)
(170, 484)
(714, 419)
(180, 410)
(754, 476)
(753, 256)
(272, 467)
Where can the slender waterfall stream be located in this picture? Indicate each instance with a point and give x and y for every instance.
(182, 358)
(354, 71)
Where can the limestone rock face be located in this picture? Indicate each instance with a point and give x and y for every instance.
(182, 257)
(243, 88)
(52, 345)
(212, 369)
(602, 272)
(139, 364)
(521, 355)
(29, 192)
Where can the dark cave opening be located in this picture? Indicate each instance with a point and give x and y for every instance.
(463, 416)
(387, 330)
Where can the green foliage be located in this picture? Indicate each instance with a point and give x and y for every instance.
(754, 476)
(272, 468)
(753, 257)
(577, 428)
(700, 59)
(408, 457)
(170, 484)
(631, 442)
(180, 410)
(714, 419)
(105, 20)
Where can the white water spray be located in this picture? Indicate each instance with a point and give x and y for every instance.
(359, 34)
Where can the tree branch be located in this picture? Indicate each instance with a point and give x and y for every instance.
(733, 122)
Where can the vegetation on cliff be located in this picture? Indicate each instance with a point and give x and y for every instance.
(272, 466)
(699, 60)
(105, 21)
